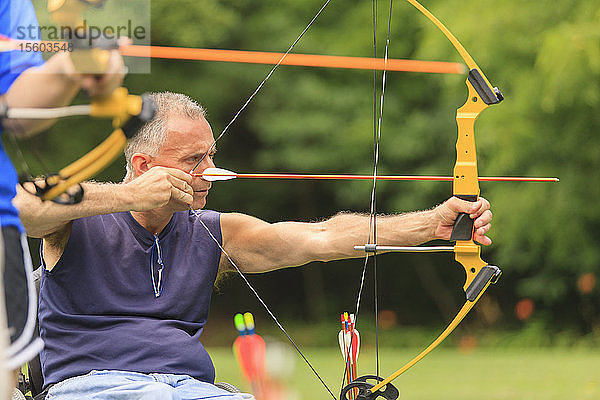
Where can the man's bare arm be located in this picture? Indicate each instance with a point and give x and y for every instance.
(153, 189)
(258, 246)
(42, 218)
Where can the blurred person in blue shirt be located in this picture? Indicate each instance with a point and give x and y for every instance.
(26, 81)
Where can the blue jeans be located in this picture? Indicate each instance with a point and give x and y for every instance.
(123, 385)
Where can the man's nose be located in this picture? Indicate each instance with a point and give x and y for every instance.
(208, 163)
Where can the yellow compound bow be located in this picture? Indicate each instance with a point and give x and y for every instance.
(479, 274)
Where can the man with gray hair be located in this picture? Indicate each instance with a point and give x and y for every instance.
(128, 272)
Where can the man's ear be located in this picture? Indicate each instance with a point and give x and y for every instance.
(141, 163)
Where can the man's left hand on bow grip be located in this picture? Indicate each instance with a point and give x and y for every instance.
(479, 211)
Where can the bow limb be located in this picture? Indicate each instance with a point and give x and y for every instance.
(479, 277)
(457, 45)
(68, 12)
(376, 390)
(84, 168)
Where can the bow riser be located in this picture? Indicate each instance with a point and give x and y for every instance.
(466, 177)
(467, 254)
(465, 184)
(465, 170)
(87, 166)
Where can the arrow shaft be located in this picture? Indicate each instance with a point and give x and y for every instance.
(378, 177)
(306, 60)
(262, 57)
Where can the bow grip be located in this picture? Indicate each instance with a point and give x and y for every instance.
(463, 225)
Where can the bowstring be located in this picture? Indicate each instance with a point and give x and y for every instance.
(262, 302)
(372, 222)
(212, 147)
(377, 127)
(260, 86)
(374, 200)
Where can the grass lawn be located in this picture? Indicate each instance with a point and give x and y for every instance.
(447, 373)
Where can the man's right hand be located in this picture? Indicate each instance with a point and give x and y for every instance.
(160, 187)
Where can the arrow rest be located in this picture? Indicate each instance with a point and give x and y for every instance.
(388, 392)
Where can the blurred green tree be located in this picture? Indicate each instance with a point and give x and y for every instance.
(545, 56)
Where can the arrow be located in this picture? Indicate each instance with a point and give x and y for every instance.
(355, 343)
(258, 57)
(220, 174)
(305, 60)
(349, 342)
(249, 349)
(344, 338)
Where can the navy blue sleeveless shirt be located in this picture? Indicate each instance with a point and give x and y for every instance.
(98, 308)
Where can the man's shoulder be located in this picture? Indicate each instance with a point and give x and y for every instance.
(203, 222)
(196, 216)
